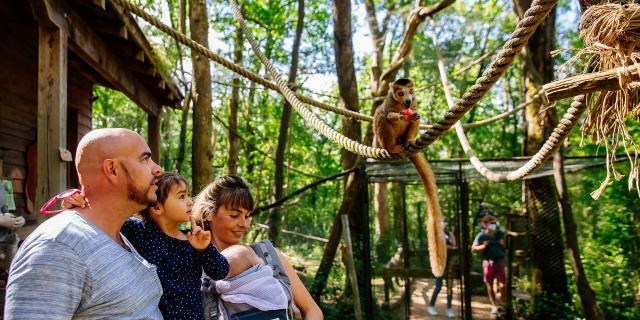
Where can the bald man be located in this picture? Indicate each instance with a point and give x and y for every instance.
(77, 265)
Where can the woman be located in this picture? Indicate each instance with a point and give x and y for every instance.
(223, 207)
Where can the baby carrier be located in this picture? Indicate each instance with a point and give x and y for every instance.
(217, 307)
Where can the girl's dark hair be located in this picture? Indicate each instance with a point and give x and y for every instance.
(229, 191)
(165, 182)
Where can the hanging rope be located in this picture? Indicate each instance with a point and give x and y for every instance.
(349, 144)
(182, 38)
(524, 29)
(551, 145)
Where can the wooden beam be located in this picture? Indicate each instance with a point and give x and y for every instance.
(52, 113)
(586, 83)
(87, 44)
(153, 132)
(108, 28)
(136, 33)
(142, 68)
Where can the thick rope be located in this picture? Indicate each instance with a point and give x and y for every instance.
(182, 38)
(524, 29)
(561, 131)
(347, 143)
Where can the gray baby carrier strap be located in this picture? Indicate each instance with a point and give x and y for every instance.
(265, 250)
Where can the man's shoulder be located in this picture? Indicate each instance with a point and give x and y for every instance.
(68, 228)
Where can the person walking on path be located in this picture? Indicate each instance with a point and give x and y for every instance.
(490, 241)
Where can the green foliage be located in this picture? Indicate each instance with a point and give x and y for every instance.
(113, 109)
(609, 229)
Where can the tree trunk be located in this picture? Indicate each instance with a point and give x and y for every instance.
(182, 143)
(248, 119)
(353, 185)
(234, 102)
(347, 83)
(275, 214)
(201, 153)
(355, 200)
(398, 209)
(587, 295)
(549, 278)
(382, 221)
(186, 103)
(380, 205)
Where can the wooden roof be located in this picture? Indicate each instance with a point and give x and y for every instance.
(106, 43)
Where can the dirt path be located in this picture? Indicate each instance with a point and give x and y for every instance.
(420, 300)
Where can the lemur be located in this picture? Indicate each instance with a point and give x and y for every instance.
(396, 124)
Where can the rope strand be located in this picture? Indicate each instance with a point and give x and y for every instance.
(349, 144)
(524, 29)
(561, 131)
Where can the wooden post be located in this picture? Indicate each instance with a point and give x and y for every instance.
(509, 282)
(421, 247)
(406, 255)
(367, 272)
(52, 114)
(351, 267)
(153, 135)
(608, 80)
(464, 247)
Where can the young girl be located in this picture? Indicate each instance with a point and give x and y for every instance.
(179, 258)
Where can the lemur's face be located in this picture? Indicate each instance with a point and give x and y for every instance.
(403, 94)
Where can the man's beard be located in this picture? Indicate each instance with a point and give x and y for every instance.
(136, 195)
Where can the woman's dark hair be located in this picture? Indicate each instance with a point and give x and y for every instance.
(229, 191)
(165, 182)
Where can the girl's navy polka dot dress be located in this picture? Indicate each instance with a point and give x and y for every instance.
(179, 267)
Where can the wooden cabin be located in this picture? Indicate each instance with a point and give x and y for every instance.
(52, 54)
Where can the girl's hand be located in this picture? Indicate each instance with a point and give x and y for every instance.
(75, 200)
(197, 237)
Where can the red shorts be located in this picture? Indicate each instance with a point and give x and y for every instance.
(493, 269)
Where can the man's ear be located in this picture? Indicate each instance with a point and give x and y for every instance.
(110, 169)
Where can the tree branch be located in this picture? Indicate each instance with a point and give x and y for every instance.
(416, 17)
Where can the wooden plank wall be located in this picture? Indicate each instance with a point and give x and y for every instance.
(18, 98)
(18, 94)
(79, 94)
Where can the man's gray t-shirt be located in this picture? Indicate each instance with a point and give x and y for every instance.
(70, 269)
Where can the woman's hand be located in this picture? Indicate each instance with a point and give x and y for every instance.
(197, 237)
